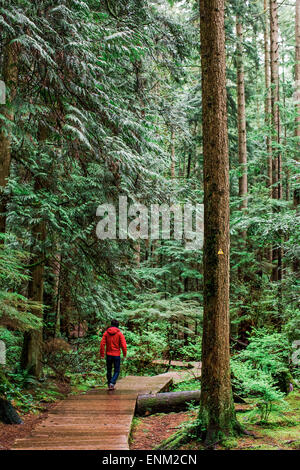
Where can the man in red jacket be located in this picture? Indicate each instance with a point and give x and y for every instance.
(114, 340)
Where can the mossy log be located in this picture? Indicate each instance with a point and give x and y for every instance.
(8, 414)
(166, 402)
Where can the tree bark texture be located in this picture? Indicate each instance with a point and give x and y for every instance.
(268, 95)
(165, 402)
(276, 130)
(31, 358)
(296, 196)
(10, 78)
(242, 135)
(217, 415)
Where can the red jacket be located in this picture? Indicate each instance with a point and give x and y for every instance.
(114, 340)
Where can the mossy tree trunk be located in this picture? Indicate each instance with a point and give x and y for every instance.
(165, 402)
(276, 128)
(242, 134)
(217, 415)
(56, 266)
(10, 78)
(244, 325)
(172, 152)
(268, 93)
(296, 196)
(31, 357)
(297, 72)
(65, 302)
(268, 251)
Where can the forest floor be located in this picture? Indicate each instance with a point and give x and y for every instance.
(281, 433)
(10, 432)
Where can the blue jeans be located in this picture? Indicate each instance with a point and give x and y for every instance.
(116, 362)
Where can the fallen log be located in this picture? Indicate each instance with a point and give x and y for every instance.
(166, 402)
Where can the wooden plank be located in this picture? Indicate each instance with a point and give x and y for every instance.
(99, 419)
(165, 362)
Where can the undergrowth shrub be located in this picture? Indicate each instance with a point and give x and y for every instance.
(269, 352)
(258, 387)
(261, 373)
(58, 356)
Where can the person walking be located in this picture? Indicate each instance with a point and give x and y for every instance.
(113, 340)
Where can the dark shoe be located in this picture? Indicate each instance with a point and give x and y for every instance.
(111, 387)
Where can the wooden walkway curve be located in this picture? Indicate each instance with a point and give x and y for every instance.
(98, 419)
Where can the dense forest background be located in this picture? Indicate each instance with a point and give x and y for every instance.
(104, 99)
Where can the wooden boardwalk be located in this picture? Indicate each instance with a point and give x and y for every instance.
(97, 420)
(194, 372)
(165, 362)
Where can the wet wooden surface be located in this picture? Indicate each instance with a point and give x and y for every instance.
(182, 375)
(165, 362)
(99, 419)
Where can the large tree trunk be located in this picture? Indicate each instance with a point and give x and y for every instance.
(10, 77)
(274, 63)
(268, 95)
(65, 304)
(165, 402)
(173, 153)
(297, 123)
(276, 166)
(31, 358)
(56, 292)
(33, 340)
(268, 250)
(297, 71)
(242, 135)
(217, 415)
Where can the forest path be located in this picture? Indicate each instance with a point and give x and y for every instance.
(99, 419)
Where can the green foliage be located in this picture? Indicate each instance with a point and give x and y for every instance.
(261, 372)
(192, 350)
(15, 309)
(116, 88)
(194, 384)
(258, 386)
(155, 328)
(270, 353)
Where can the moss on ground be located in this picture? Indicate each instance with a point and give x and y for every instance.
(193, 384)
(280, 432)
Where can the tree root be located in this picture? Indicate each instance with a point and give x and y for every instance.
(173, 442)
(250, 433)
(179, 438)
(191, 431)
